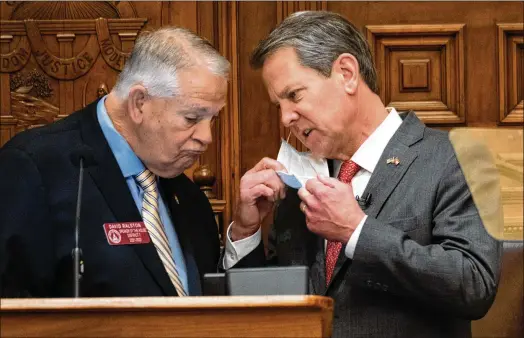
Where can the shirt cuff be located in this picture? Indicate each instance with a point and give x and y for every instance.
(352, 243)
(237, 250)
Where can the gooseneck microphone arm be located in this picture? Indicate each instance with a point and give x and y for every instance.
(81, 158)
(78, 264)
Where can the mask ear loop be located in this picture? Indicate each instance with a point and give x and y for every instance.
(288, 137)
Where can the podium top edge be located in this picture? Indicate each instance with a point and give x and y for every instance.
(162, 303)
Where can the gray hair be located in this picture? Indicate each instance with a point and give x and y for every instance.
(159, 55)
(319, 38)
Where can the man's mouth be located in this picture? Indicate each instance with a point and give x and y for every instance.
(194, 152)
(306, 132)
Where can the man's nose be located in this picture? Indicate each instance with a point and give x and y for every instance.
(289, 116)
(203, 132)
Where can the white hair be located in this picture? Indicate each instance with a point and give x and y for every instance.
(158, 56)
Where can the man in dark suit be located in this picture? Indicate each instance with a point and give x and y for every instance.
(412, 257)
(136, 143)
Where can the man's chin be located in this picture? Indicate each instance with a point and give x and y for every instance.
(182, 165)
(169, 173)
(322, 150)
(173, 171)
(318, 152)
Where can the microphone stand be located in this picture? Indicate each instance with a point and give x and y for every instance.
(78, 264)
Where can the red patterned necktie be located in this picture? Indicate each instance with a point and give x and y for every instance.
(348, 170)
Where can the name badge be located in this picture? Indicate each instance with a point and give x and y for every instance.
(126, 233)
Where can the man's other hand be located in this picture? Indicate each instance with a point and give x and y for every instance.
(260, 188)
(330, 208)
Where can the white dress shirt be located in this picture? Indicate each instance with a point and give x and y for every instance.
(367, 157)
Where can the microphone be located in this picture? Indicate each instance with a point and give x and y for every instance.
(364, 201)
(82, 158)
(85, 154)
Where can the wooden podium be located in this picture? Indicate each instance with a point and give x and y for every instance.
(262, 316)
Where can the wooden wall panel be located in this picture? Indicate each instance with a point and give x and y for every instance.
(182, 14)
(421, 67)
(152, 10)
(480, 40)
(206, 26)
(228, 123)
(259, 119)
(511, 61)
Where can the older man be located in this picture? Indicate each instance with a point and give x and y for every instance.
(412, 259)
(136, 143)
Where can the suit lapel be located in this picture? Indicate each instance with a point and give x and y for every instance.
(182, 228)
(108, 178)
(387, 176)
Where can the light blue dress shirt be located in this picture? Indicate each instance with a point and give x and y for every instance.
(130, 165)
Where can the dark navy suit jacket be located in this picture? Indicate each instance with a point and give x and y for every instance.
(38, 184)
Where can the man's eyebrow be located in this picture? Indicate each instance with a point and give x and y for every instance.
(195, 110)
(284, 94)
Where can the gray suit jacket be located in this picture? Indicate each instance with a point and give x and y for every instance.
(424, 265)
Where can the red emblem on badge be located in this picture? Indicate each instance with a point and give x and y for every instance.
(126, 233)
(114, 236)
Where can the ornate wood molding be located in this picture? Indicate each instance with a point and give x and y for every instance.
(66, 10)
(113, 56)
(78, 26)
(7, 128)
(17, 58)
(62, 68)
(510, 54)
(61, 64)
(421, 67)
(219, 207)
(205, 179)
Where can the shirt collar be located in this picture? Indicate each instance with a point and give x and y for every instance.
(368, 155)
(129, 163)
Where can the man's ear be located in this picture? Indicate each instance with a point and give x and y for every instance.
(346, 66)
(135, 103)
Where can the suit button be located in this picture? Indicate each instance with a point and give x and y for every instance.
(369, 283)
(384, 288)
(378, 286)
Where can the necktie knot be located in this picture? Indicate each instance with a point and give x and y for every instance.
(147, 181)
(348, 170)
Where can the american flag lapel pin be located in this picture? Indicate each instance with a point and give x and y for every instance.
(393, 160)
